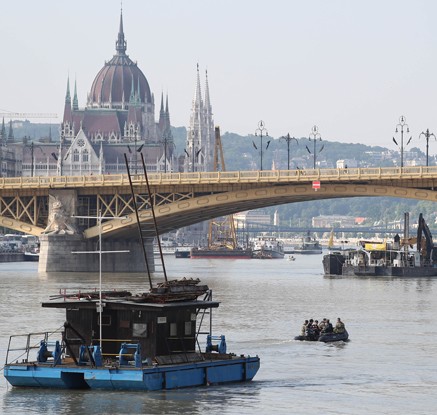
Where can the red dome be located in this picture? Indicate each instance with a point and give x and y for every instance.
(115, 82)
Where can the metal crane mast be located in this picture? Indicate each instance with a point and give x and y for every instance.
(221, 230)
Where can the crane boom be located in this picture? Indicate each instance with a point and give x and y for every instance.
(221, 230)
(28, 115)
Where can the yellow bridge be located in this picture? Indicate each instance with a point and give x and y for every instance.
(182, 199)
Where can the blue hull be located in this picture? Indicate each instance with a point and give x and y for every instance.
(236, 369)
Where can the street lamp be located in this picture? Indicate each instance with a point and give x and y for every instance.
(165, 139)
(427, 136)
(288, 139)
(315, 136)
(400, 126)
(32, 147)
(137, 150)
(262, 132)
(194, 154)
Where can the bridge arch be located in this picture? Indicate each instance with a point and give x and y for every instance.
(186, 212)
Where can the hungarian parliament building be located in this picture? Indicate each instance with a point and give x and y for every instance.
(117, 120)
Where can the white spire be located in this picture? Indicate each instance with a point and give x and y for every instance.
(198, 152)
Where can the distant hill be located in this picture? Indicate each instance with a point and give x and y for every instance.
(240, 154)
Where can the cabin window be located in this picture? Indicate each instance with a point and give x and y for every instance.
(173, 330)
(106, 320)
(188, 328)
(139, 330)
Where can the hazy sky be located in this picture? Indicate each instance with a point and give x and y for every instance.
(350, 67)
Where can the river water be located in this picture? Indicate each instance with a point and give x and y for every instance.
(389, 366)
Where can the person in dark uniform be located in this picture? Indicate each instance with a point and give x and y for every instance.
(328, 327)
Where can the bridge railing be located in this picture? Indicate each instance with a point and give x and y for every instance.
(253, 176)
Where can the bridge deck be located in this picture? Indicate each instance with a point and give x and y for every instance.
(227, 177)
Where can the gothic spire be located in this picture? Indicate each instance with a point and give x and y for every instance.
(132, 93)
(75, 101)
(138, 92)
(197, 101)
(120, 44)
(67, 106)
(162, 102)
(11, 132)
(3, 132)
(67, 95)
(207, 100)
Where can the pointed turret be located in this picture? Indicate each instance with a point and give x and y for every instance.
(207, 100)
(161, 122)
(167, 113)
(67, 107)
(75, 100)
(197, 100)
(121, 44)
(209, 136)
(200, 134)
(11, 132)
(132, 93)
(138, 92)
(3, 132)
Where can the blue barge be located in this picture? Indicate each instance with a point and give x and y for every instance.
(149, 341)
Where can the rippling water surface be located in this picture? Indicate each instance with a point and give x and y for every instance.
(388, 367)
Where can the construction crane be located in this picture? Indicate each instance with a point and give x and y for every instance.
(221, 230)
(27, 115)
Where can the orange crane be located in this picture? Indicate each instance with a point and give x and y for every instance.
(221, 230)
(27, 115)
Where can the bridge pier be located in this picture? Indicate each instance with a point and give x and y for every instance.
(56, 254)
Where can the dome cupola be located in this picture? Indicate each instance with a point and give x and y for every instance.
(119, 80)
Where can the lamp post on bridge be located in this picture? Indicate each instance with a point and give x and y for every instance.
(315, 136)
(427, 136)
(32, 147)
(166, 139)
(400, 128)
(262, 132)
(288, 139)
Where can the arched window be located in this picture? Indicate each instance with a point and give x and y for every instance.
(85, 156)
(76, 155)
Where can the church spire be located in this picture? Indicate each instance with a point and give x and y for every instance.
(3, 132)
(207, 100)
(120, 45)
(197, 101)
(67, 107)
(11, 132)
(67, 95)
(75, 101)
(161, 122)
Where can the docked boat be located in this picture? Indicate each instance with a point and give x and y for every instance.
(309, 246)
(182, 252)
(31, 255)
(387, 259)
(267, 247)
(221, 252)
(135, 342)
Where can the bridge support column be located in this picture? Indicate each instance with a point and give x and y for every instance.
(56, 255)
